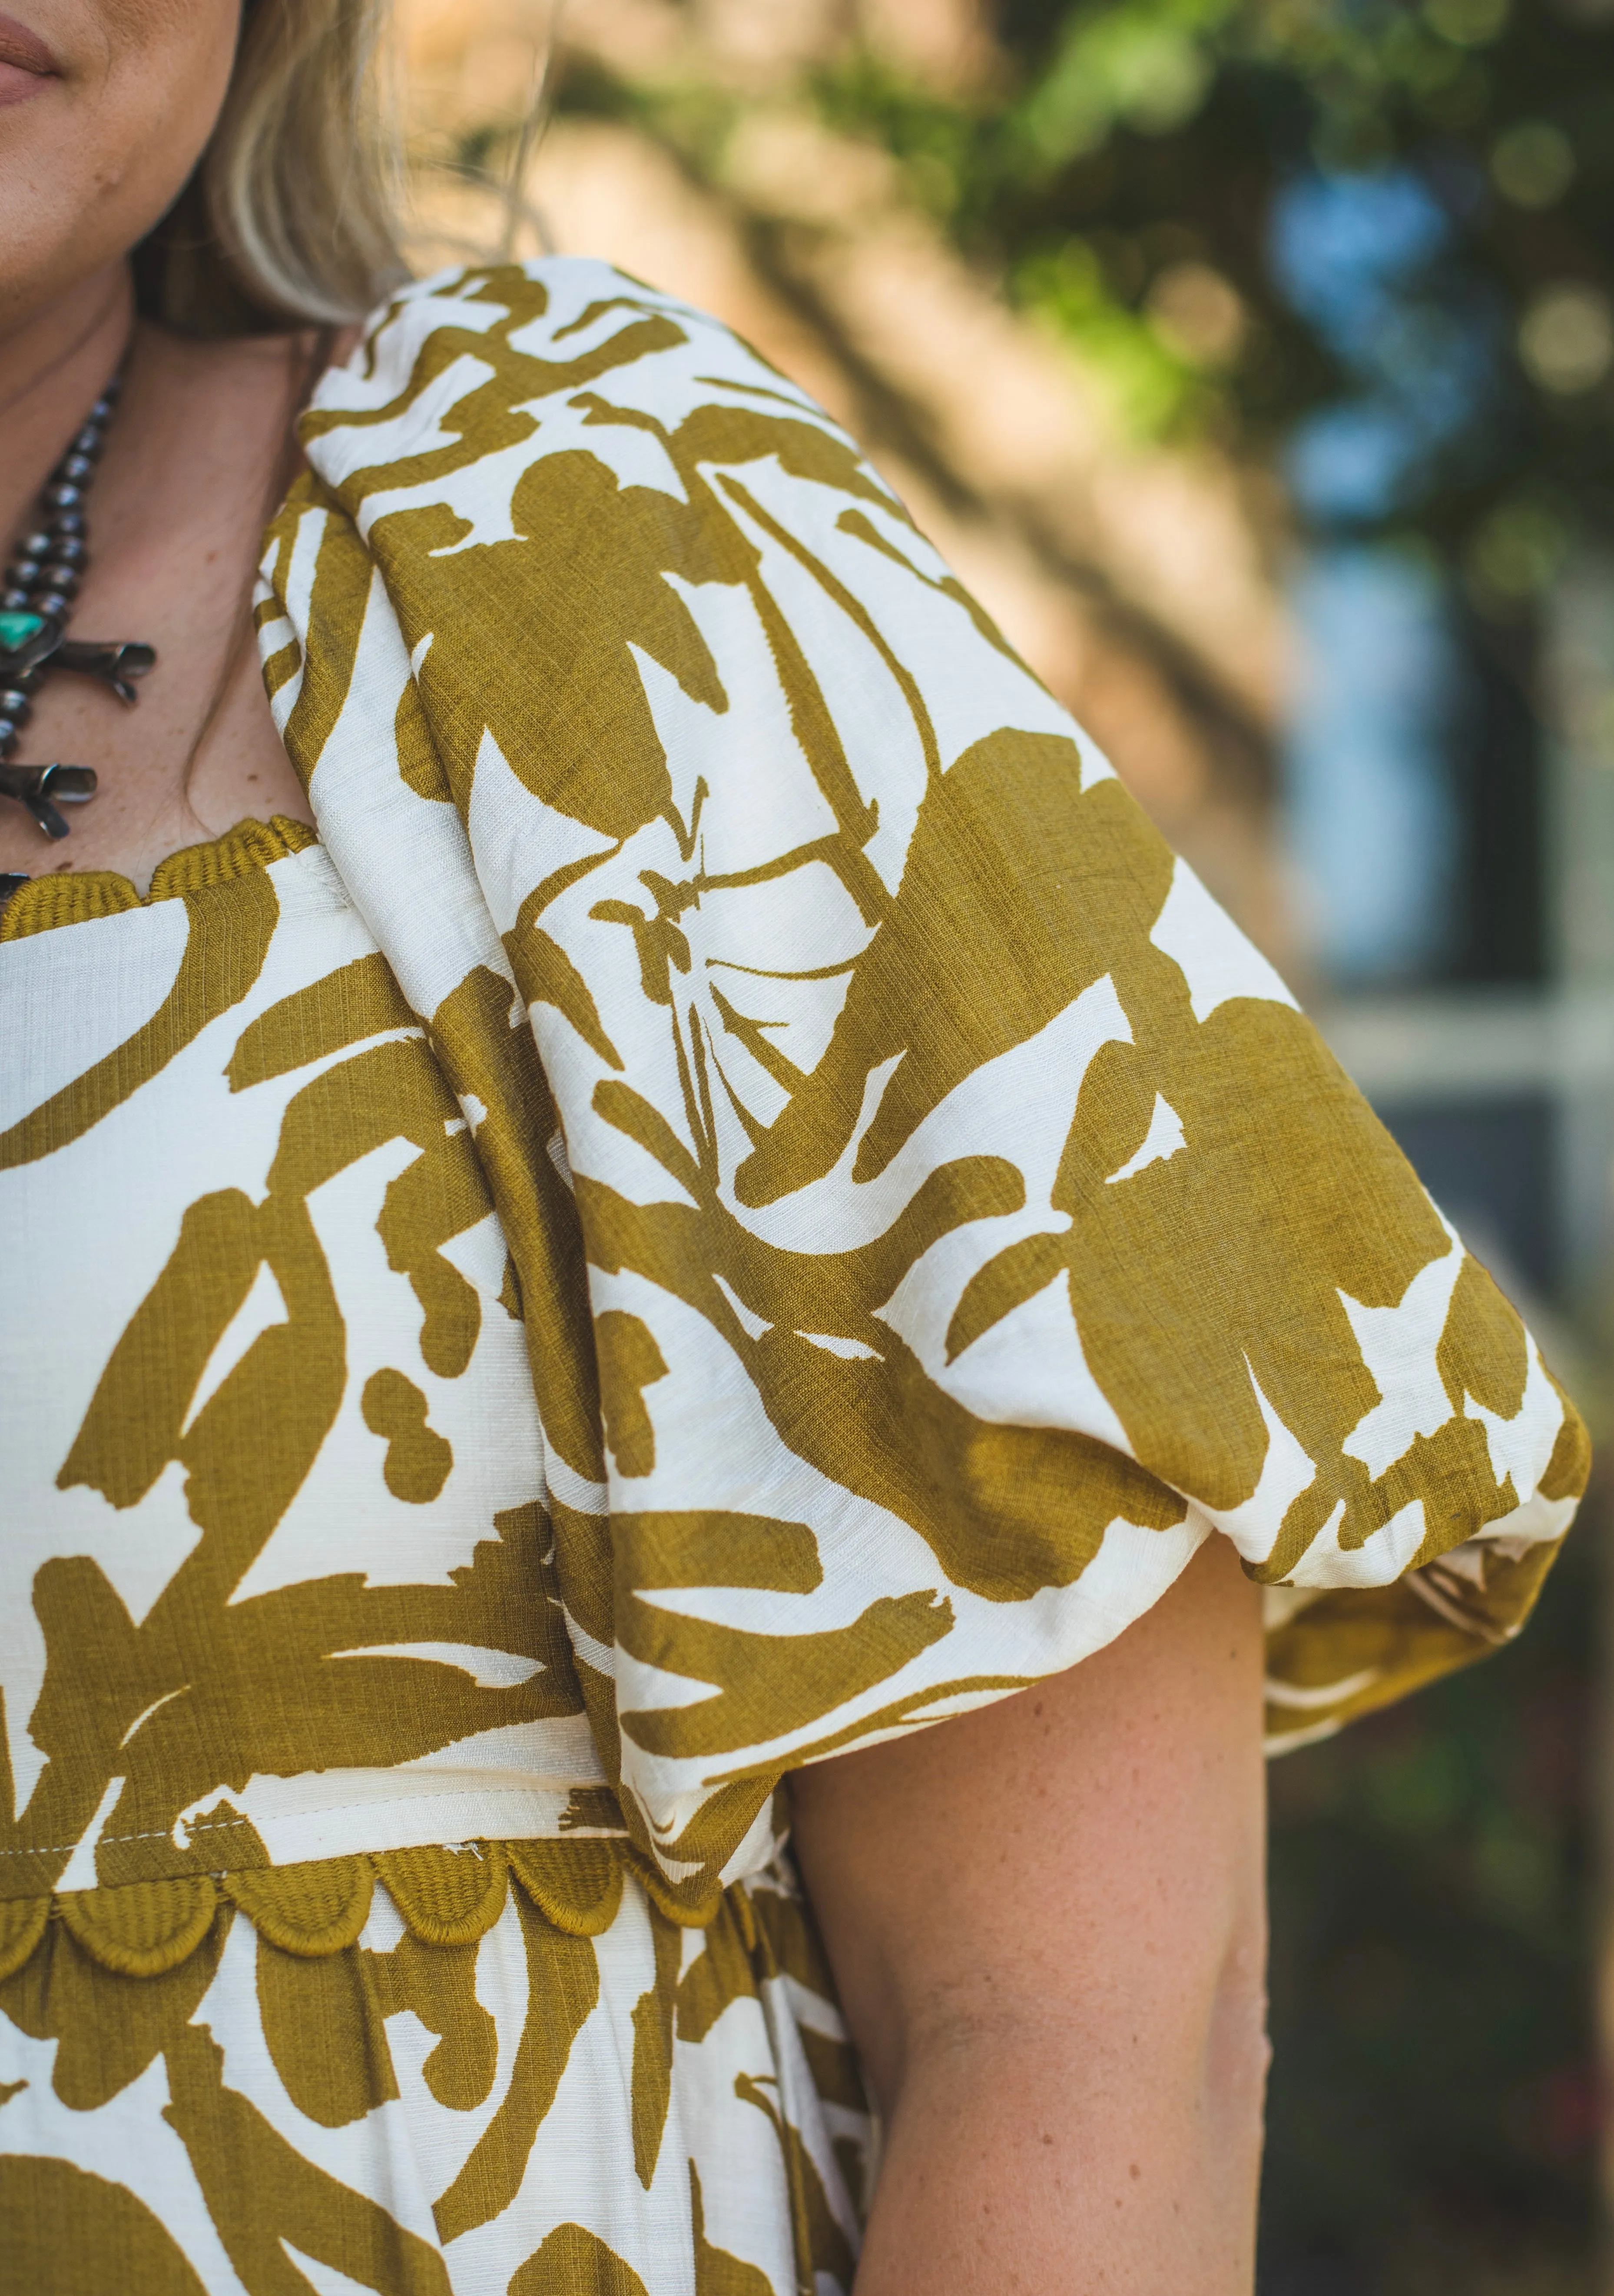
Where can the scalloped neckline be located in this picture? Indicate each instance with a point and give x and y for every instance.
(78, 896)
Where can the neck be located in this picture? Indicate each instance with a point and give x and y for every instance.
(52, 366)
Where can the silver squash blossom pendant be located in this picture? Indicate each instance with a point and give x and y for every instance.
(41, 582)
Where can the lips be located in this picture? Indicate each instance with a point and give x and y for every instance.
(26, 64)
(25, 49)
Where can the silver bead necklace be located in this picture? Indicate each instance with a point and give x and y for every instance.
(36, 606)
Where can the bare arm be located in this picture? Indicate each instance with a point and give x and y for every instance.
(1047, 1920)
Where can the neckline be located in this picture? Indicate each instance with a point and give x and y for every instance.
(76, 896)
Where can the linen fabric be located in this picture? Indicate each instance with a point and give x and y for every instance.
(738, 1202)
(935, 1218)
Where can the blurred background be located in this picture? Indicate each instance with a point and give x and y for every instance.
(1253, 360)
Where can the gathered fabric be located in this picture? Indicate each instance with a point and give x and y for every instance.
(736, 1202)
(935, 1218)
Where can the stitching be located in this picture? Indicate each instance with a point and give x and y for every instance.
(162, 1833)
(228, 1825)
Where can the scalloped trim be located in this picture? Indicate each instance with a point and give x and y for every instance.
(73, 896)
(444, 1897)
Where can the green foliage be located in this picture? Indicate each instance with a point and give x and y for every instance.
(1127, 160)
(1154, 386)
(1118, 172)
(1148, 66)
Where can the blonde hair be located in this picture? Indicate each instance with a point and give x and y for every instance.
(290, 216)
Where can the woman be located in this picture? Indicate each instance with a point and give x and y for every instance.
(642, 1183)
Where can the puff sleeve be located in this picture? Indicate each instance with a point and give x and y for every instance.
(933, 1219)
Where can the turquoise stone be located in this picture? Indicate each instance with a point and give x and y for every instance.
(16, 629)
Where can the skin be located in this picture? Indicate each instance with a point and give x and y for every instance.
(1047, 1925)
(1046, 1917)
(93, 149)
